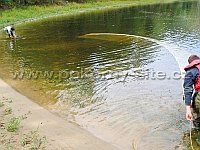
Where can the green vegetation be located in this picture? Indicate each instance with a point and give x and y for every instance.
(13, 124)
(33, 141)
(18, 15)
(17, 139)
(6, 4)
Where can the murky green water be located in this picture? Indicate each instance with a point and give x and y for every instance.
(93, 70)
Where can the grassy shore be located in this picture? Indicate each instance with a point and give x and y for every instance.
(24, 14)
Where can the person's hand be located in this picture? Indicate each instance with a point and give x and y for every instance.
(189, 113)
(189, 116)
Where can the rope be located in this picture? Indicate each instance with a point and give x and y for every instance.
(191, 144)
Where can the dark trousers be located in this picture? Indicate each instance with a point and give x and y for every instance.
(196, 110)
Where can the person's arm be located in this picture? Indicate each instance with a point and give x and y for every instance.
(189, 81)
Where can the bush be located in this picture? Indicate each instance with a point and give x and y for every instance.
(13, 124)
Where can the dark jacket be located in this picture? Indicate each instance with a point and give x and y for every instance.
(192, 79)
(189, 81)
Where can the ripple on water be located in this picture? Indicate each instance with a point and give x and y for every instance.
(126, 114)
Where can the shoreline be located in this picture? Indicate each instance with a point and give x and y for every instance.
(63, 133)
(69, 9)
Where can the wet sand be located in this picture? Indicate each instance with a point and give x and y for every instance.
(60, 134)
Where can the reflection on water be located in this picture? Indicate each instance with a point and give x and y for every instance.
(105, 83)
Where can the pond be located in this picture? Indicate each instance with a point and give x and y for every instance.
(115, 73)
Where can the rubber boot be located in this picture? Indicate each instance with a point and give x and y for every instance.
(198, 138)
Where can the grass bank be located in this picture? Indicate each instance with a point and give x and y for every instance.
(29, 13)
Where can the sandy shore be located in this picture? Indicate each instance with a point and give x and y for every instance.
(60, 134)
